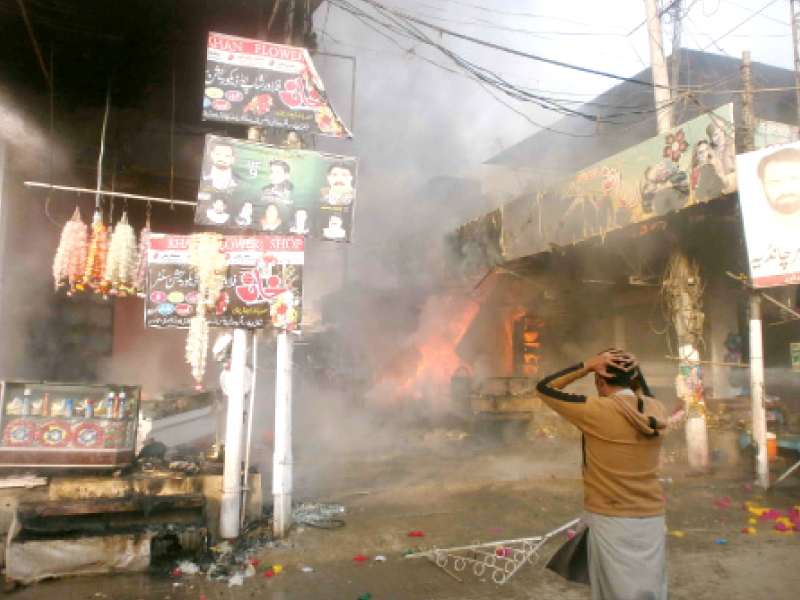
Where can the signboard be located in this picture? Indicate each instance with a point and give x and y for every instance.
(257, 83)
(794, 349)
(769, 195)
(252, 186)
(692, 163)
(264, 283)
(772, 133)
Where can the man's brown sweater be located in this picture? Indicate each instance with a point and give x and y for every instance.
(621, 445)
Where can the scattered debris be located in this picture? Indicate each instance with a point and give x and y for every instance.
(416, 534)
(307, 569)
(502, 559)
(187, 568)
(360, 558)
(313, 514)
(237, 579)
(445, 434)
(26, 481)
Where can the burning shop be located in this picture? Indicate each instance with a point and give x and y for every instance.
(625, 253)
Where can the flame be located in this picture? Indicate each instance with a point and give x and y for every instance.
(427, 359)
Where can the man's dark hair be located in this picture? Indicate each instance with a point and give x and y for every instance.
(212, 145)
(620, 377)
(791, 155)
(340, 165)
(282, 164)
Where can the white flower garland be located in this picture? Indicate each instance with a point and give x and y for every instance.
(140, 272)
(210, 266)
(121, 259)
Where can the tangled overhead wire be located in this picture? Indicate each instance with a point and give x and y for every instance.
(384, 18)
(682, 300)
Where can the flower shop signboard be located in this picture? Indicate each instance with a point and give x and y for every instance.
(254, 82)
(263, 285)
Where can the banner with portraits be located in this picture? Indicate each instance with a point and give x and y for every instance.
(263, 284)
(253, 82)
(769, 195)
(256, 187)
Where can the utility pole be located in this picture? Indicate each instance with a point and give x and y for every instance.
(794, 5)
(661, 87)
(282, 458)
(230, 504)
(696, 428)
(759, 425)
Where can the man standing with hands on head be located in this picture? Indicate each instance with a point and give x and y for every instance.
(622, 429)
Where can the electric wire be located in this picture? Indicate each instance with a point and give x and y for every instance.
(346, 5)
(400, 25)
(747, 20)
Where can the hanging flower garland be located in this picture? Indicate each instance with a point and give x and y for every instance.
(96, 259)
(140, 271)
(70, 261)
(197, 345)
(121, 260)
(210, 267)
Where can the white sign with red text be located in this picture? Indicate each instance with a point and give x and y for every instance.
(263, 285)
(268, 85)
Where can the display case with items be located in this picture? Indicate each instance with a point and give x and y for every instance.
(62, 425)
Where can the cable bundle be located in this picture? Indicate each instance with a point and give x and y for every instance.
(121, 260)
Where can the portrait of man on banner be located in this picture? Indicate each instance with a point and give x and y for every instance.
(769, 191)
(246, 185)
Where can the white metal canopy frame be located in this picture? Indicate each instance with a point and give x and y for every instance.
(502, 559)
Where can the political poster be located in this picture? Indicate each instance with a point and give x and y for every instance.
(769, 195)
(256, 83)
(256, 187)
(263, 285)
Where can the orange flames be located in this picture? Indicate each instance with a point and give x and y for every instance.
(427, 359)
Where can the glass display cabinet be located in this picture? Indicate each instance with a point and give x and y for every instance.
(63, 425)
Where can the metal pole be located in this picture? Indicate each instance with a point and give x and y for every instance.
(249, 426)
(757, 392)
(795, 10)
(282, 457)
(232, 473)
(69, 188)
(748, 129)
(659, 65)
(759, 425)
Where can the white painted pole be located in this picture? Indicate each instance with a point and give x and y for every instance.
(659, 65)
(757, 392)
(249, 438)
(282, 458)
(232, 473)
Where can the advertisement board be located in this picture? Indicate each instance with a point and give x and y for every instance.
(692, 163)
(769, 195)
(263, 286)
(257, 187)
(266, 85)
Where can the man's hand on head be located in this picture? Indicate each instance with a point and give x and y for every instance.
(611, 358)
